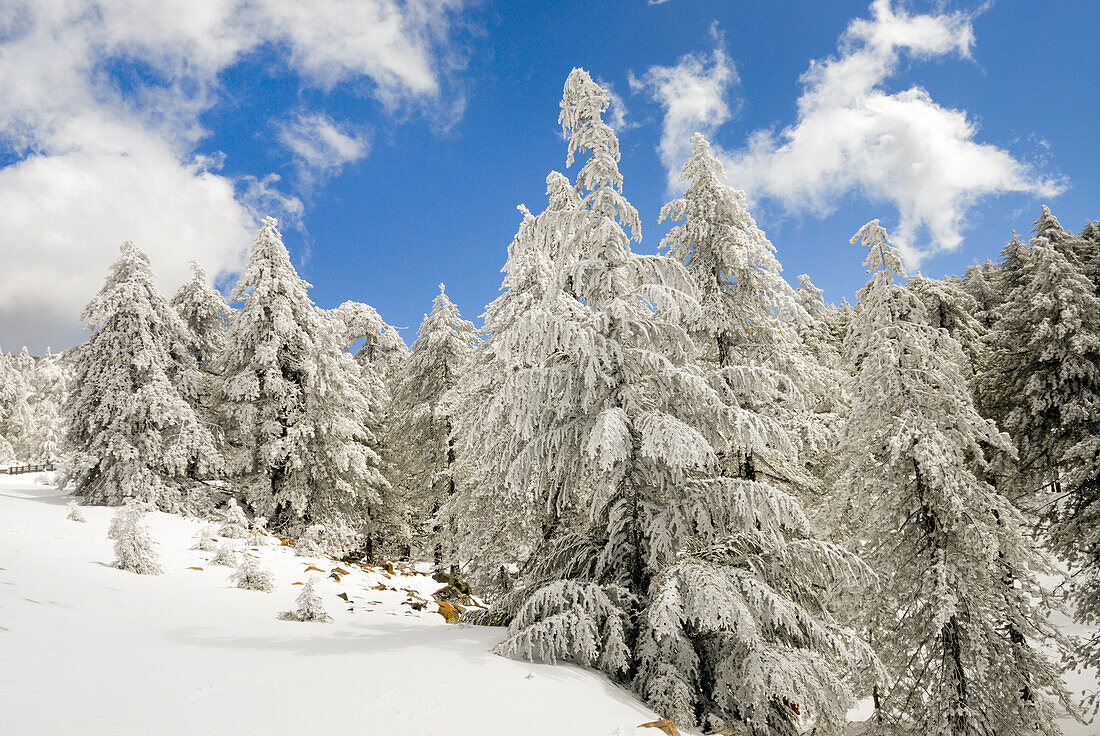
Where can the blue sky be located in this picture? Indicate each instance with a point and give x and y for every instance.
(394, 141)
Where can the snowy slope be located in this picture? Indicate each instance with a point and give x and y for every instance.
(87, 649)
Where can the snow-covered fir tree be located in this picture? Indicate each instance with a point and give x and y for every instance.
(300, 413)
(702, 591)
(309, 603)
(951, 307)
(750, 314)
(1042, 379)
(234, 522)
(980, 282)
(129, 424)
(250, 575)
(959, 619)
(1043, 384)
(13, 392)
(421, 423)
(380, 344)
(49, 389)
(135, 549)
(312, 542)
(206, 314)
(518, 529)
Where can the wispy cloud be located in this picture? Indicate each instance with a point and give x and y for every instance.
(901, 149)
(321, 147)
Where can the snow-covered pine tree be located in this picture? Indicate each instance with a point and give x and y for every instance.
(702, 591)
(421, 425)
(234, 522)
(981, 283)
(960, 619)
(300, 413)
(518, 530)
(1089, 252)
(381, 345)
(129, 423)
(13, 390)
(748, 331)
(1042, 380)
(250, 575)
(135, 549)
(206, 539)
(309, 603)
(951, 307)
(205, 313)
(49, 388)
(21, 414)
(312, 542)
(812, 321)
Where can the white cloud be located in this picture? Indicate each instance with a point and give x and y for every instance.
(852, 136)
(617, 115)
(694, 94)
(97, 164)
(321, 146)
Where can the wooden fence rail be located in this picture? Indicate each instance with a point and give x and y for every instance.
(20, 469)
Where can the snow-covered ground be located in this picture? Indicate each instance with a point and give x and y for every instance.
(87, 649)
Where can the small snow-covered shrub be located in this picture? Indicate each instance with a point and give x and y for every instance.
(311, 543)
(75, 514)
(250, 576)
(225, 556)
(44, 479)
(135, 549)
(235, 525)
(309, 605)
(205, 539)
(257, 532)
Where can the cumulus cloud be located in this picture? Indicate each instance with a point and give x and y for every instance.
(92, 161)
(852, 136)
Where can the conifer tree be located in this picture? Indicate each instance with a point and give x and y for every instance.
(950, 307)
(423, 449)
(519, 530)
(960, 617)
(660, 571)
(13, 389)
(129, 423)
(981, 283)
(300, 413)
(250, 575)
(750, 314)
(1042, 382)
(309, 603)
(205, 313)
(135, 549)
(381, 346)
(74, 512)
(49, 383)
